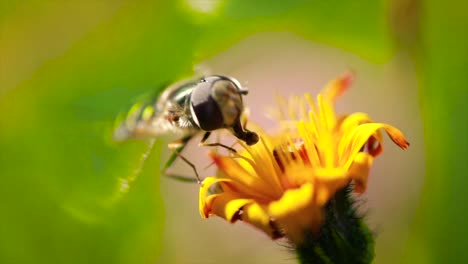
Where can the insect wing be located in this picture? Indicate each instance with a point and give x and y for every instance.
(142, 121)
(165, 115)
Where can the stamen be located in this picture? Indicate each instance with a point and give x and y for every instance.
(308, 142)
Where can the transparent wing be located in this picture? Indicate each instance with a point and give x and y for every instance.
(145, 121)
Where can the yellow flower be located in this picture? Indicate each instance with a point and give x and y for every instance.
(282, 184)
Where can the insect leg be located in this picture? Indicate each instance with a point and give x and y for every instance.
(217, 144)
(177, 147)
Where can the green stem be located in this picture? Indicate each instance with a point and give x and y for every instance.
(344, 237)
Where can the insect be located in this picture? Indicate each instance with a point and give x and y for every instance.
(185, 109)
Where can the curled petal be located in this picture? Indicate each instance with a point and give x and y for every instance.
(397, 136)
(228, 206)
(374, 145)
(206, 200)
(353, 141)
(354, 120)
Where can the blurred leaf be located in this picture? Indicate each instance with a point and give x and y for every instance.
(440, 232)
(360, 26)
(61, 172)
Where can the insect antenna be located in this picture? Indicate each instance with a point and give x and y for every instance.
(243, 91)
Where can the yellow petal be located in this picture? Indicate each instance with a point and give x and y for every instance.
(396, 136)
(296, 212)
(334, 89)
(228, 206)
(354, 120)
(295, 175)
(353, 141)
(292, 200)
(244, 181)
(264, 167)
(326, 142)
(309, 137)
(204, 202)
(256, 215)
(327, 113)
(359, 171)
(328, 181)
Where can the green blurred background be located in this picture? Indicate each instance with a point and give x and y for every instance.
(67, 68)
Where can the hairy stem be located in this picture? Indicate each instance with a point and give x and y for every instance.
(343, 238)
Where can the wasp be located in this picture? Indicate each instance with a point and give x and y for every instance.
(187, 108)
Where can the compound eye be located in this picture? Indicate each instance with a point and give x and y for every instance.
(205, 110)
(226, 95)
